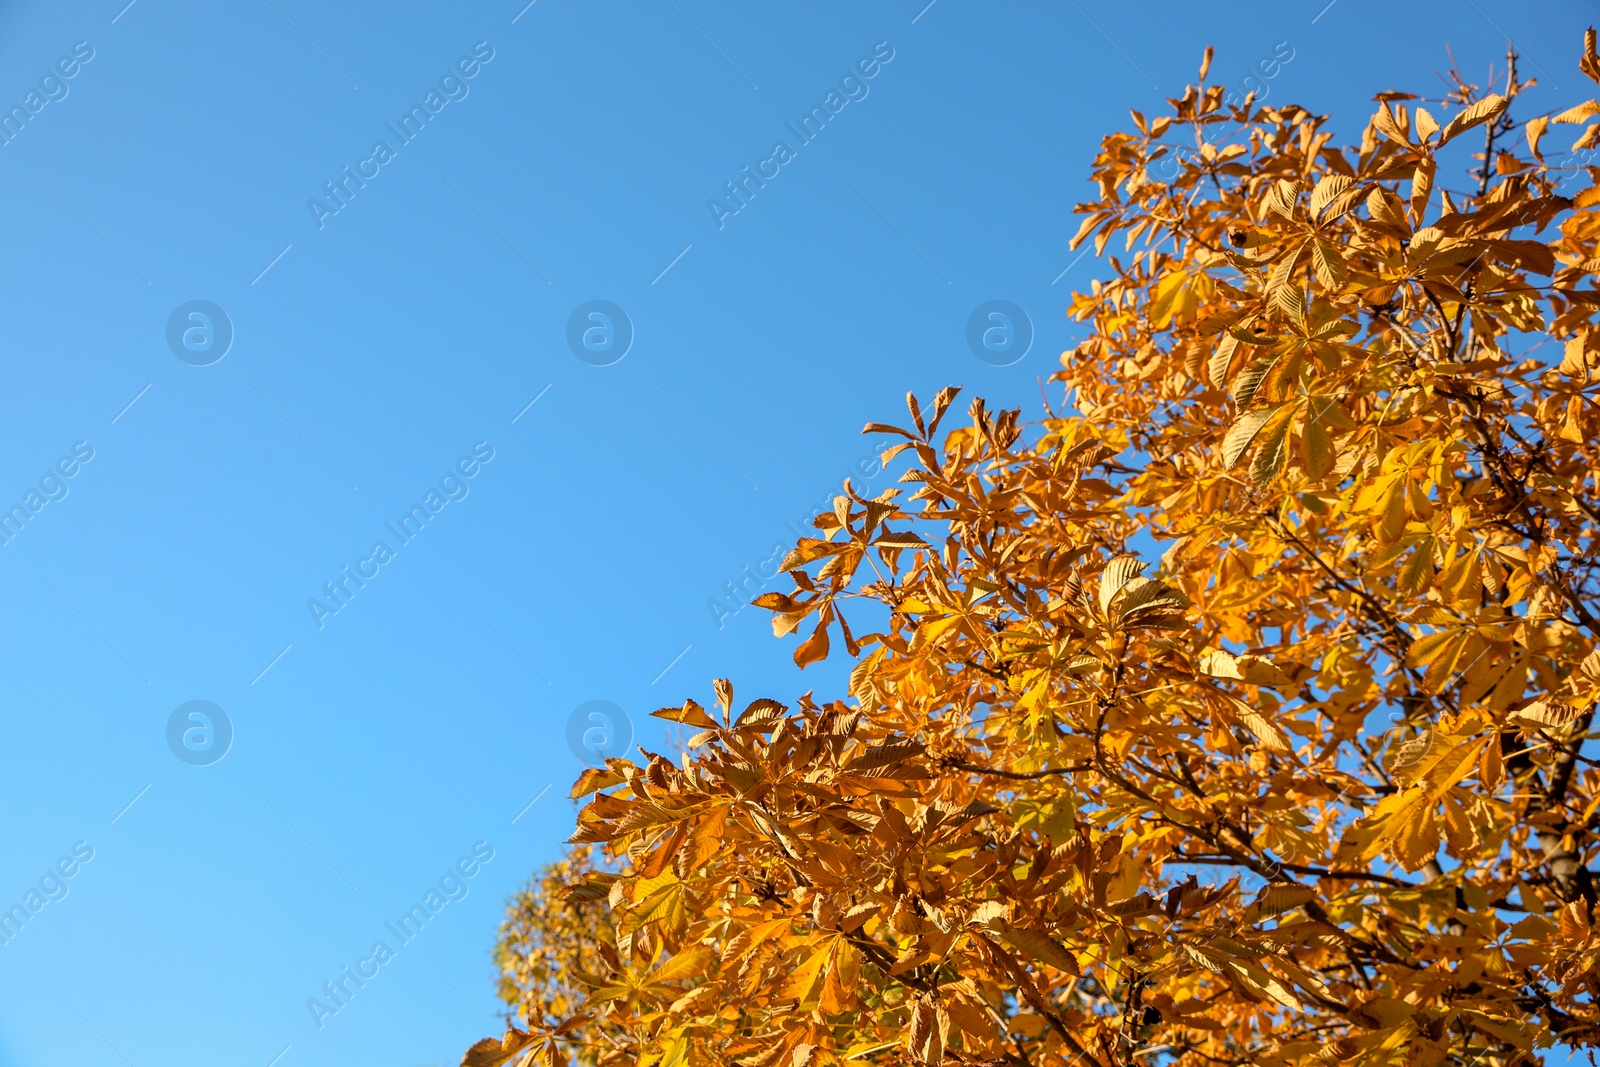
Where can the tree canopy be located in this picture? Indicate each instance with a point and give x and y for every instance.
(1238, 711)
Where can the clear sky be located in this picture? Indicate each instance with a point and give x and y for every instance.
(246, 343)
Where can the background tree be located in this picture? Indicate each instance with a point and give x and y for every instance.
(1316, 785)
(554, 943)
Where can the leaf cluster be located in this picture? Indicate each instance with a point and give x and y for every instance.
(1241, 711)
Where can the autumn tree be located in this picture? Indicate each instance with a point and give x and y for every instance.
(1239, 711)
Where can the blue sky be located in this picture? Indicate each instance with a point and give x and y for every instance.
(572, 550)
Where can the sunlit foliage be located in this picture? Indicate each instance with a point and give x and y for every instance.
(1239, 711)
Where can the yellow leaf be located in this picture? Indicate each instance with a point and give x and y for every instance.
(1426, 126)
(491, 1052)
(1253, 670)
(1384, 207)
(594, 778)
(1535, 128)
(1042, 947)
(1118, 572)
(1416, 838)
(839, 985)
(1546, 715)
(1316, 449)
(1265, 983)
(867, 1048)
(1328, 263)
(930, 1025)
(704, 840)
(1268, 734)
(803, 980)
(1389, 516)
(1326, 191)
(1421, 186)
(1274, 450)
(814, 648)
(665, 906)
(1242, 432)
(690, 714)
(1474, 115)
(1278, 897)
(690, 963)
